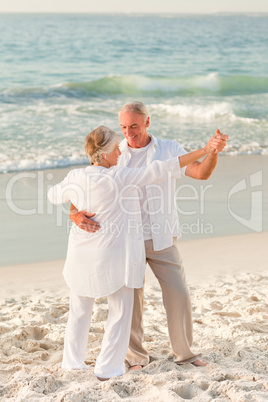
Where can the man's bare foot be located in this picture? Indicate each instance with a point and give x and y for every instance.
(136, 367)
(199, 363)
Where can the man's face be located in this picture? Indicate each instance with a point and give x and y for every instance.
(134, 129)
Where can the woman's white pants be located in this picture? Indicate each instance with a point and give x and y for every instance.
(110, 361)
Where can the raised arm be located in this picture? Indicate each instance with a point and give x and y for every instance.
(159, 171)
(203, 170)
(195, 155)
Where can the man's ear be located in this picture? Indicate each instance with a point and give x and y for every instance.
(147, 123)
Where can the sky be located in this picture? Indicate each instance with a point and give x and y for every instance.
(135, 6)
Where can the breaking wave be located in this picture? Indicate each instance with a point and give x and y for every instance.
(134, 85)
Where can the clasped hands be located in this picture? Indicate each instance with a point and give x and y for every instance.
(217, 142)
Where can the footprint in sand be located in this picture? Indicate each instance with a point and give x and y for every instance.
(31, 332)
(227, 313)
(190, 391)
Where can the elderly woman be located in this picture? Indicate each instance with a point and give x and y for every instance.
(110, 262)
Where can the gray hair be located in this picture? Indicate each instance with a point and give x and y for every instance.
(101, 140)
(136, 107)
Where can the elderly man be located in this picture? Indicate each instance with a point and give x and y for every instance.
(160, 232)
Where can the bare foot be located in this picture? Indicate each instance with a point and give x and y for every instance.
(136, 367)
(199, 363)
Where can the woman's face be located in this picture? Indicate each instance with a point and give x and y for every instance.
(113, 156)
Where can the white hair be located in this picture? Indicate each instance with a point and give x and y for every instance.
(101, 140)
(136, 107)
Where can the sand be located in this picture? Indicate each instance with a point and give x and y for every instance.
(230, 312)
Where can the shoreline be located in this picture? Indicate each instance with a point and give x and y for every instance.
(69, 167)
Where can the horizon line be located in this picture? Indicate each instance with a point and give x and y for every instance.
(135, 12)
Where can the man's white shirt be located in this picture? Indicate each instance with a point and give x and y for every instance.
(156, 202)
(138, 159)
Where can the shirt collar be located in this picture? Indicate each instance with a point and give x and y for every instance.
(124, 146)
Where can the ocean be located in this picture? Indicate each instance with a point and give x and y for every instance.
(63, 75)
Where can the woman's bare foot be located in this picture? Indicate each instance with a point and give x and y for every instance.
(199, 363)
(136, 367)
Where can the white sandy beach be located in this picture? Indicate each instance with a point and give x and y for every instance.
(230, 312)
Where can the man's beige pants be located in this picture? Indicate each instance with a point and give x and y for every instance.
(167, 266)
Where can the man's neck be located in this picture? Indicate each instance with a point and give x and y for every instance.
(144, 144)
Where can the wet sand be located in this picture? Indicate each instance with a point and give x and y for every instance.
(229, 299)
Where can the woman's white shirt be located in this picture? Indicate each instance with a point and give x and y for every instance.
(100, 263)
